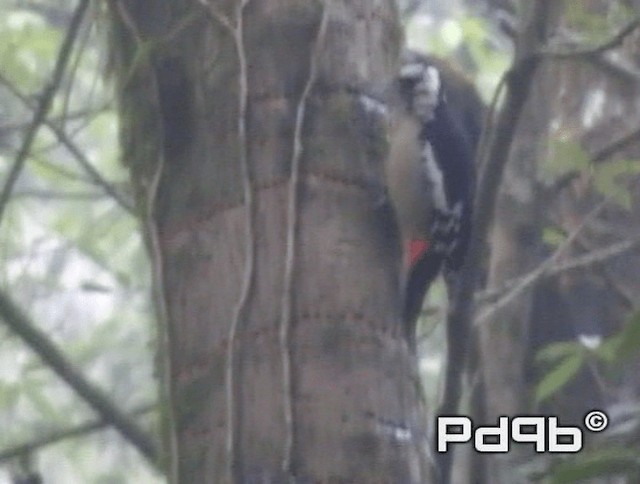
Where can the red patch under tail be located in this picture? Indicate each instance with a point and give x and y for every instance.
(416, 249)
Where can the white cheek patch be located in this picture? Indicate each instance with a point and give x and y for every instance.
(411, 71)
(426, 93)
(431, 80)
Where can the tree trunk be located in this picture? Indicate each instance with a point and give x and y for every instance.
(259, 171)
(515, 250)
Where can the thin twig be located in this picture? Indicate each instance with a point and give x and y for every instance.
(71, 146)
(54, 437)
(577, 52)
(79, 114)
(543, 269)
(50, 195)
(611, 149)
(99, 401)
(77, 153)
(602, 155)
(290, 256)
(595, 256)
(610, 279)
(44, 105)
(88, 167)
(81, 46)
(617, 68)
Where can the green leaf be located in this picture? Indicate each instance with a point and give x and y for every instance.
(609, 350)
(592, 27)
(28, 48)
(553, 236)
(607, 178)
(34, 390)
(630, 341)
(567, 156)
(623, 344)
(556, 351)
(558, 377)
(9, 394)
(597, 463)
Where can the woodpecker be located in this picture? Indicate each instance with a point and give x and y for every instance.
(430, 178)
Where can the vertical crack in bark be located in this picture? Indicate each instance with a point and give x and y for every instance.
(290, 256)
(233, 424)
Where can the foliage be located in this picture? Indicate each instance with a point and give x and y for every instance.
(70, 254)
(597, 464)
(609, 179)
(466, 38)
(566, 358)
(616, 453)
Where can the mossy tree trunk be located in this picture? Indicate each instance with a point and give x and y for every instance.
(258, 171)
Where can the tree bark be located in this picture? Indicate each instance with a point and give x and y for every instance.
(258, 169)
(515, 250)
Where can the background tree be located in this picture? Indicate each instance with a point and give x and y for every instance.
(556, 172)
(80, 306)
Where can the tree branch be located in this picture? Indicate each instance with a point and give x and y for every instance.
(617, 68)
(527, 281)
(100, 402)
(51, 195)
(77, 153)
(79, 114)
(574, 52)
(610, 278)
(600, 156)
(64, 434)
(44, 104)
(595, 256)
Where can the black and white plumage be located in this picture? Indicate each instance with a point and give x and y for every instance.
(430, 178)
